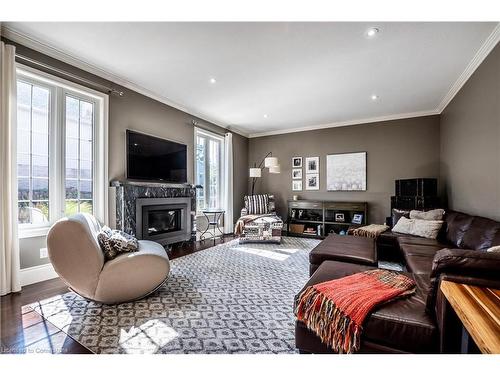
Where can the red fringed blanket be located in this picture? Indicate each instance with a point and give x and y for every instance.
(335, 310)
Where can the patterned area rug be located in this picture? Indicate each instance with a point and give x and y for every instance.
(227, 299)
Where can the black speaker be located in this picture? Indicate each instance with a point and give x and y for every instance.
(416, 186)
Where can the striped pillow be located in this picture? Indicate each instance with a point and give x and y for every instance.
(257, 204)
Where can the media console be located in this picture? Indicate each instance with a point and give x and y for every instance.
(316, 219)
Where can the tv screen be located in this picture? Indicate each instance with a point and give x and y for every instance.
(155, 159)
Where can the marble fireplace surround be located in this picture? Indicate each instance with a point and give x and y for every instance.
(128, 192)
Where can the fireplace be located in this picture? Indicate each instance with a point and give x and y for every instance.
(161, 212)
(164, 220)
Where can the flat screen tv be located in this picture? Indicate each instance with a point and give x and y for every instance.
(155, 159)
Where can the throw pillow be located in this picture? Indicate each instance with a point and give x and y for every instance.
(418, 227)
(436, 214)
(398, 214)
(494, 249)
(114, 242)
(257, 204)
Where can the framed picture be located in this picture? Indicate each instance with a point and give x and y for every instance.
(297, 162)
(357, 218)
(297, 174)
(297, 185)
(312, 181)
(339, 216)
(346, 172)
(312, 164)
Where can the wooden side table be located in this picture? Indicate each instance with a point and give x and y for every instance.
(478, 309)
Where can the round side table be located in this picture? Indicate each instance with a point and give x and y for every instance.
(214, 222)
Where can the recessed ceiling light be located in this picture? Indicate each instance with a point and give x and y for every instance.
(266, 116)
(371, 32)
(213, 80)
(374, 97)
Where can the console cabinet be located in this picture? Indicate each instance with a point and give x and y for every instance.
(313, 218)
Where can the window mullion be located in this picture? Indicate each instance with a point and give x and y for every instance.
(221, 174)
(61, 125)
(78, 187)
(30, 194)
(207, 173)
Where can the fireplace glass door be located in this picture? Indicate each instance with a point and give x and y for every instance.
(163, 221)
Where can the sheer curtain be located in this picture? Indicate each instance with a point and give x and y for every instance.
(9, 242)
(228, 183)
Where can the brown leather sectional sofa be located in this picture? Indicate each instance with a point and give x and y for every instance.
(423, 322)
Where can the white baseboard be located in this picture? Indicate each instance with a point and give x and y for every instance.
(36, 274)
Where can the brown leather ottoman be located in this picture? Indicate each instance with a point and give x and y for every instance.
(400, 326)
(351, 249)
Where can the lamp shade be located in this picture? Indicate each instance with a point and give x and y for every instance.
(275, 169)
(255, 172)
(270, 162)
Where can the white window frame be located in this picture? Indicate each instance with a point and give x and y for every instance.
(58, 88)
(210, 135)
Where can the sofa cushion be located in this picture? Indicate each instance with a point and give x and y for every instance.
(388, 247)
(114, 242)
(413, 240)
(427, 250)
(398, 214)
(418, 227)
(257, 204)
(494, 249)
(457, 224)
(351, 249)
(436, 214)
(402, 324)
(419, 264)
(480, 234)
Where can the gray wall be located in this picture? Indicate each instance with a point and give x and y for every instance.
(395, 149)
(470, 142)
(464, 149)
(138, 112)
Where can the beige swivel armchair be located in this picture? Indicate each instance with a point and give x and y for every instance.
(78, 259)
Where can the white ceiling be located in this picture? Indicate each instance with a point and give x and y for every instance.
(300, 74)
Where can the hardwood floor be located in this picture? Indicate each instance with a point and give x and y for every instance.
(24, 331)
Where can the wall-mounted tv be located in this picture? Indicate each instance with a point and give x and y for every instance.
(155, 159)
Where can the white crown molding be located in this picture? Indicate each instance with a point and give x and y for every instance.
(347, 123)
(39, 46)
(36, 274)
(478, 58)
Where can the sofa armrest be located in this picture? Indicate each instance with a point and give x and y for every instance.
(243, 212)
(468, 262)
(472, 267)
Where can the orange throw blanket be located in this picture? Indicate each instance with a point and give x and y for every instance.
(335, 310)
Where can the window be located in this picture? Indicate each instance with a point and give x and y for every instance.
(61, 134)
(79, 144)
(209, 150)
(33, 153)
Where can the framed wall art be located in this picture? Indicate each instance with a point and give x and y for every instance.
(346, 172)
(297, 162)
(297, 185)
(312, 181)
(312, 164)
(297, 174)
